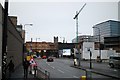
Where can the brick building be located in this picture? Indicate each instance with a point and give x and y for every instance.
(43, 48)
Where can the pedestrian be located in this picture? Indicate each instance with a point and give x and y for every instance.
(33, 64)
(10, 67)
(25, 66)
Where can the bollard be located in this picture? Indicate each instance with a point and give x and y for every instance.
(83, 78)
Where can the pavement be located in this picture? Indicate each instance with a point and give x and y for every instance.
(100, 68)
(18, 74)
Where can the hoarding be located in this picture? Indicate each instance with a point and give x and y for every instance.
(67, 52)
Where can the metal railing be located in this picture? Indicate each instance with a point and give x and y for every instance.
(42, 74)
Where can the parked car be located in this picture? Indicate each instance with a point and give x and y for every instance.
(44, 57)
(50, 59)
(114, 61)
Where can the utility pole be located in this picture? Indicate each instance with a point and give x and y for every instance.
(4, 41)
(76, 17)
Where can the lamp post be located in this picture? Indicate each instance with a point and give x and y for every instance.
(36, 44)
(24, 40)
(99, 45)
(25, 27)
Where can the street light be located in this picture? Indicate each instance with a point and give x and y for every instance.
(36, 43)
(24, 29)
(24, 40)
(99, 44)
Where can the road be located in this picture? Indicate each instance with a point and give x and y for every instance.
(61, 68)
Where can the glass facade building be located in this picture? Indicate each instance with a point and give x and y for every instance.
(108, 28)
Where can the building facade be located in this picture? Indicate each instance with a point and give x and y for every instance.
(84, 38)
(14, 43)
(108, 28)
(43, 48)
(108, 33)
(112, 43)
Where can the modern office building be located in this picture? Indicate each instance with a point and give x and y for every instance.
(108, 33)
(108, 28)
(112, 43)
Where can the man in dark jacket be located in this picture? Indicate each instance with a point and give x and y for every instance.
(10, 67)
(25, 66)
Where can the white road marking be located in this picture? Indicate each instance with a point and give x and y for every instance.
(75, 77)
(48, 64)
(60, 71)
(53, 67)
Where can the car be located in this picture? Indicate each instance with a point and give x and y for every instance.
(114, 61)
(50, 59)
(44, 57)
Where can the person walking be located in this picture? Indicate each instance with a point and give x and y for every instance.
(10, 67)
(25, 66)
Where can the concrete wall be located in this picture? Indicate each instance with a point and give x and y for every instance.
(15, 44)
(0, 41)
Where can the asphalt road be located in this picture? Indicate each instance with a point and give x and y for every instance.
(61, 68)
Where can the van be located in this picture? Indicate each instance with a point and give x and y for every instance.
(114, 61)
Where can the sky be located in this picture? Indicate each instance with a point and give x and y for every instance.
(55, 18)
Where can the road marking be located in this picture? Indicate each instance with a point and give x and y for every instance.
(75, 77)
(60, 71)
(48, 64)
(53, 67)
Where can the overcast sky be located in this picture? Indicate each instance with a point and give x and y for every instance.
(56, 18)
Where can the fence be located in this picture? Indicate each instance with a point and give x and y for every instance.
(42, 74)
